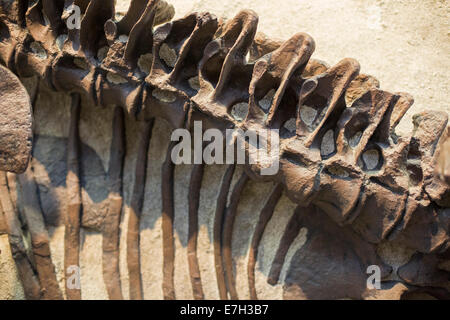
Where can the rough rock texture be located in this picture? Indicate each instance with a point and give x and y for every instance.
(15, 123)
(352, 192)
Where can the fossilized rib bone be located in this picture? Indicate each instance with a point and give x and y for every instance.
(340, 154)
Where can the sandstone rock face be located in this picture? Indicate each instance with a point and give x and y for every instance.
(15, 123)
(102, 211)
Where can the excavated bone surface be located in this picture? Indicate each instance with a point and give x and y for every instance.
(374, 21)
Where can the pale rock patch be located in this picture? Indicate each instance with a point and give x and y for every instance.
(327, 146)
(240, 111)
(164, 96)
(168, 54)
(371, 159)
(266, 102)
(145, 63)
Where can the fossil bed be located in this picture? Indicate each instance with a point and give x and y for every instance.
(404, 44)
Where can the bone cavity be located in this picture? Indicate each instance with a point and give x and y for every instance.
(115, 79)
(123, 38)
(38, 50)
(240, 111)
(168, 55)
(371, 158)
(266, 102)
(338, 172)
(291, 125)
(308, 114)
(327, 146)
(353, 141)
(194, 83)
(164, 96)
(145, 63)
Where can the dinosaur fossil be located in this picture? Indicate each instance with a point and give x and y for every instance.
(356, 184)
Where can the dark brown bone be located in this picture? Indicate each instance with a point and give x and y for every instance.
(262, 46)
(194, 201)
(134, 211)
(218, 223)
(332, 85)
(43, 20)
(274, 71)
(140, 41)
(110, 231)
(223, 63)
(167, 81)
(91, 32)
(168, 215)
(73, 214)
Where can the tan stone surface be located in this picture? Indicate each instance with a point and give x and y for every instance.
(10, 286)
